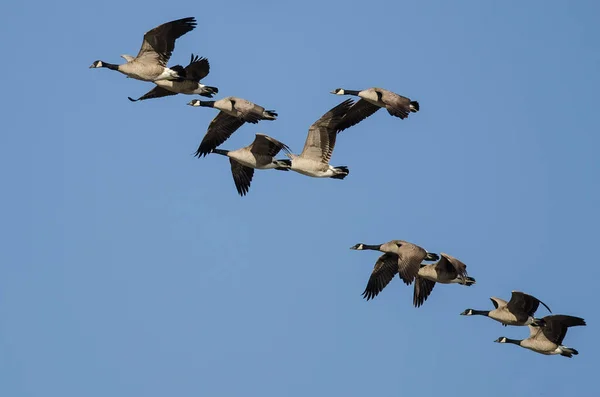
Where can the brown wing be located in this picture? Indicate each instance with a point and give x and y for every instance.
(555, 327)
(265, 145)
(242, 176)
(384, 271)
(410, 257)
(357, 113)
(396, 105)
(159, 42)
(250, 112)
(452, 266)
(521, 303)
(156, 92)
(322, 133)
(197, 69)
(219, 130)
(423, 288)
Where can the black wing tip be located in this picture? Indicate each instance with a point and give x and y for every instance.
(132, 100)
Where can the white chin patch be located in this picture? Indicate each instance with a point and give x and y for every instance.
(340, 92)
(99, 65)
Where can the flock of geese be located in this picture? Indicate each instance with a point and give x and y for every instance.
(399, 257)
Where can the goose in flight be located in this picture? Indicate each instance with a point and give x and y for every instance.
(197, 69)
(519, 310)
(150, 64)
(318, 147)
(234, 112)
(260, 155)
(547, 338)
(372, 99)
(400, 257)
(448, 270)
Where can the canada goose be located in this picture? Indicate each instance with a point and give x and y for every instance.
(315, 156)
(194, 72)
(519, 310)
(258, 155)
(150, 64)
(547, 338)
(399, 257)
(448, 270)
(234, 112)
(371, 100)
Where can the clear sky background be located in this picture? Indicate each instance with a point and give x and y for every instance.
(131, 268)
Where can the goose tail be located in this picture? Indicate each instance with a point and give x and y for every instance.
(283, 165)
(568, 351)
(340, 172)
(269, 115)
(414, 106)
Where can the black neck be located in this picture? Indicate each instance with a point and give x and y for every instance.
(110, 66)
(208, 104)
(221, 151)
(480, 312)
(371, 247)
(351, 92)
(513, 341)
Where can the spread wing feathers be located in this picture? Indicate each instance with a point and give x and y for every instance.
(498, 302)
(322, 133)
(523, 303)
(451, 266)
(423, 288)
(249, 112)
(384, 271)
(555, 327)
(396, 105)
(198, 68)
(357, 113)
(400, 112)
(265, 145)
(159, 43)
(156, 92)
(410, 257)
(242, 176)
(219, 130)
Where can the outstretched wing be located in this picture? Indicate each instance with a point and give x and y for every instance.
(384, 271)
(242, 176)
(265, 145)
(423, 288)
(322, 134)
(357, 113)
(197, 69)
(219, 130)
(156, 92)
(159, 43)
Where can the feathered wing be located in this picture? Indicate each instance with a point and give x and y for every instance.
(422, 290)
(219, 130)
(357, 113)
(321, 137)
(555, 326)
(159, 43)
(156, 92)
(265, 145)
(396, 105)
(198, 68)
(523, 303)
(450, 265)
(250, 112)
(242, 176)
(410, 257)
(384, 271)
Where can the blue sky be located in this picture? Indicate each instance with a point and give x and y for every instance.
(131, 268)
